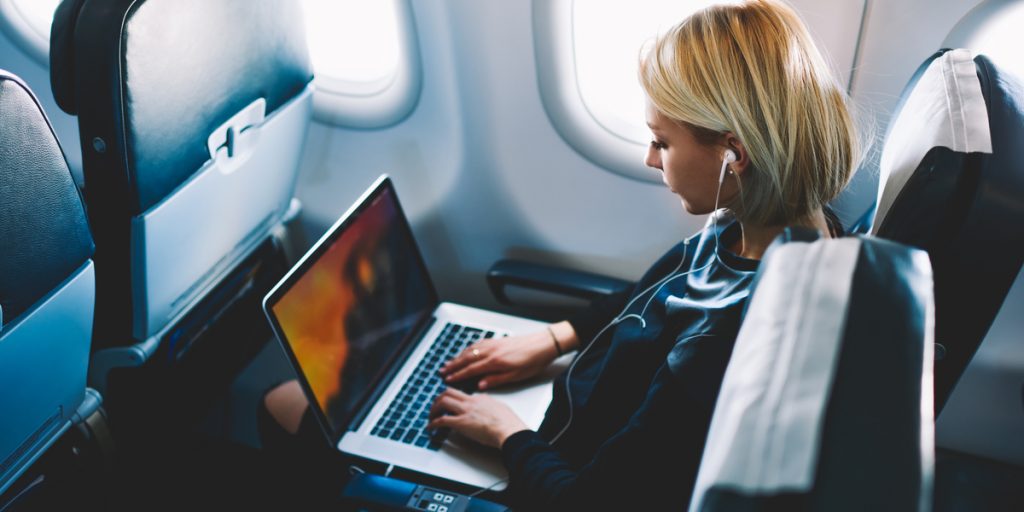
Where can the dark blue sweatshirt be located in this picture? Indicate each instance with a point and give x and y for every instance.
(643, 392)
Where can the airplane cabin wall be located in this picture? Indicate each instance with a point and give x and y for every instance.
(482, 171)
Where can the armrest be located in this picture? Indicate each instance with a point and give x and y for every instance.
(572, 283)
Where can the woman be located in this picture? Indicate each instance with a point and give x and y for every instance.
(744, 79)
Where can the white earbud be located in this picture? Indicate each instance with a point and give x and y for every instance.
(730, 156)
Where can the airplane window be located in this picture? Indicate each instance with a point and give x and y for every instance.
(333, 26)
(28, 22)
(587, 54)
(606, 60)
(363, 55)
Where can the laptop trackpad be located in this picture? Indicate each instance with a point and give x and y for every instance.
(530, 399)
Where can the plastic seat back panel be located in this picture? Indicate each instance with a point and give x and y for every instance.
(43, 363)
(186, 243)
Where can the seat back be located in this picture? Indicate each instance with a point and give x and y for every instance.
(952, 183)
(192, 116)
(827, 400)
(46, 284)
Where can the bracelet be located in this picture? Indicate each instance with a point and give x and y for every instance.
(554, 338)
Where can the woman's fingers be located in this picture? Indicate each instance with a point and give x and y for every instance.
(497, 379)
(446, 403)
(455, 363)
(450, 400)
(439, 422)
(455, 393)
(473, 370)
(472, 354)
(445, 422)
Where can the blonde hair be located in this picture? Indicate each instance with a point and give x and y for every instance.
(752, 69)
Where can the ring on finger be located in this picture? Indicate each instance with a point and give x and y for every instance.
(476, 353)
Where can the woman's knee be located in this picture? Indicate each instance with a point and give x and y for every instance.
(286, 404)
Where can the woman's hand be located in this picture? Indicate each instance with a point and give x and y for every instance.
(504, 360)
(478, 417)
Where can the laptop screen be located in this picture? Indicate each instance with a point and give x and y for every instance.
(351, 302)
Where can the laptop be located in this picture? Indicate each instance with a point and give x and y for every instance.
(363, 327)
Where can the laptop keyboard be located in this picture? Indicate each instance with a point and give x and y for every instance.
(406, 418)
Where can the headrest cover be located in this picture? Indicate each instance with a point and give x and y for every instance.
(945, 108)
(62, 54)
(44, 235)
(830, 374)
(791, 304)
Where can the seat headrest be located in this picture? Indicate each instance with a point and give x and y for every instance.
(62, 54)
(44, 234)
(943, 106)
(829, 375)
(155, 78)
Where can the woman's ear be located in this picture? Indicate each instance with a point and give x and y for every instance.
(732, 142)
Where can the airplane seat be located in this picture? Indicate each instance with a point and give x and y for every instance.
(47, 288)
(192, 118)
(827, 400)
(952, 179)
